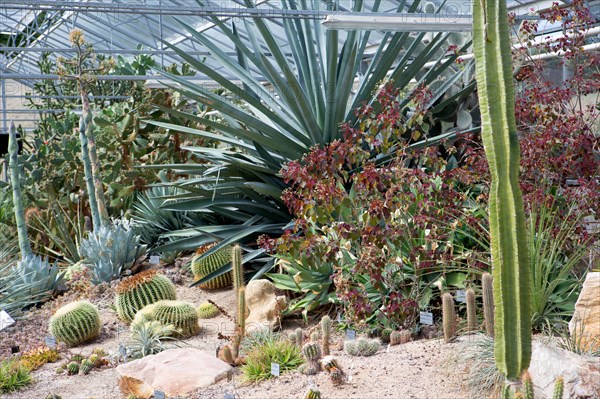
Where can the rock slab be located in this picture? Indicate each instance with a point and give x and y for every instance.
(580, 373)
(175, 372)
(585, 324)
(264, 306)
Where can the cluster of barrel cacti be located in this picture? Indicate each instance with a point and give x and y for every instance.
(76, 323)
(181, 315)
(78, 364)
(362, 347)
(202, 266)
(140, 290)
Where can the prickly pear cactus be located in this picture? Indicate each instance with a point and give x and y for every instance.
(202, 267)
(207, 310)
(76, 323)
(142, 289)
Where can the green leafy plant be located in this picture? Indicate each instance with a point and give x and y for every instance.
(260, 357)
(13, 376)
(76, 323)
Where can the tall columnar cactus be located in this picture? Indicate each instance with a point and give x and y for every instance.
(471, 310)
(75, 323)
(139, 290)
(87, 169)
(181, 315)
(559, 386)
(238, 273)
(448, 316)
(202, 267)
(312, 353)
(326, 324)
(488, 302)
(510, 261)
(13, 151)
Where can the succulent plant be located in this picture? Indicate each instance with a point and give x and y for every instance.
(100, 352)
(86, 367)
(527, 386)
(227, 355)
(326, 324)
(181, 315)
(77, 358)
(400, 337)
(328, 363)
(94, 359)
(142, 289)
(311, 351)
(73, 368)
(559, 386)
(207, 310)
(298, 336)
(385, 335)
(37, 275)
(488, 302)
(311, 368)
(76, 323)
(337, 376)
(110, 250)
(312, 393)
(448, 316)
(471, 310)
(362, 347)
(202, 267)
(315, 336)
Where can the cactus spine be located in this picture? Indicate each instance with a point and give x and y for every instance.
(559, 386)
(510, 260)
(326, 324)
(488, 302)
(471, 310)
(13, 150)
(76, 323)
(448, 316)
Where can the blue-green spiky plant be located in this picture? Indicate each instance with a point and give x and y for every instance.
(510, 261)
(75, 323)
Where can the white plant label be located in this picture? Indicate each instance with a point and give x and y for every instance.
(5, 320)
(351, 334)
(461, 296)
(50, 342)
(426, 318)
(154, 260)
(275, 369)
(159, 395)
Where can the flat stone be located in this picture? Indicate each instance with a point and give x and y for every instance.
(585, 324)
(175, 372)
(581, 374)
(263, 305)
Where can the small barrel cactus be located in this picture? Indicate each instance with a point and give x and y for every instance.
(311, 351)
(95, 359)
(448, 316)
(313, 393)
(86, 366)
(181, 315)
(329, 363)
(385, 335)
(337, 376)
(73, 368)
(76, 323)
(202, 267)
(326, 324)
(362, 347)
(139, 290)
(400, 337)
(207, 310)
(311, 368)
(77, 358)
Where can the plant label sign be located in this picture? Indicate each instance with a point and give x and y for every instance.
(154, 260)
(461, 296)
(5, 320)
(159, 395)
(50, 342)
(351, 334)
(275, 369)
(426, 318)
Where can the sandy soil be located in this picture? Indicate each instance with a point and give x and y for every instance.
(418, 369)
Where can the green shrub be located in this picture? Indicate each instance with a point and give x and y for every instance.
(13, 376)
(76, 323)
(260, 357)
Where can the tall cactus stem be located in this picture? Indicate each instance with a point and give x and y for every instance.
(238, 279)
(488, 302)
(87, 169)
(238, 275)
(559, 386)
(326, 332)
(13, 151)
(448, 316)
(510, 265)
(471, 310)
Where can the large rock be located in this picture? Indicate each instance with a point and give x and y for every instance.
(174, 371)
(264, 306)
(580, 373)
(585, 324)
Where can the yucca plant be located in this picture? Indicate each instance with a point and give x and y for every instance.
(299, 101)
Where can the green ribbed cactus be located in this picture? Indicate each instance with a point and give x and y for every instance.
(487, 290)
(311, 368)
(508, 234)
(559, 386)
(471, 310)
(87, 169)
(202, 267)
(448, 316)
(326, 324)
(85, 367)
(181, 315)
(13, 151)
(527, 386)
(362, 347)
(298, 336)
(400, 337)
(385, 335)
(313, 393)
(238, 272)
(337, 376)
(73, 368)
(142, 289)
(95, 359)
(75, 323)
(207, 310)
(311, 352)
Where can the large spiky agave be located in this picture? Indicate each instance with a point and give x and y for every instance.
(110, 250)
